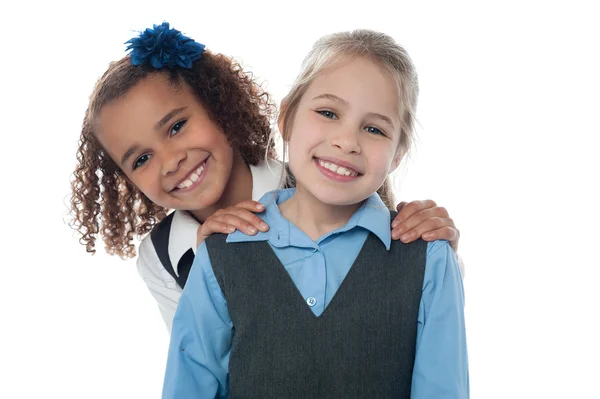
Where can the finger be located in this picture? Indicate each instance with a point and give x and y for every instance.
(410, 209)
(400, 206)
(210, 227)
(448, 233)
(419, 217)
(249, 205)
(429, 224)
(242, 220)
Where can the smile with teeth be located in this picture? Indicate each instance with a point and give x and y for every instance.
(340, 170)
(192, 178)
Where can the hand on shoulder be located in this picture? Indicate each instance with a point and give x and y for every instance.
(424, 219)
(239, 217)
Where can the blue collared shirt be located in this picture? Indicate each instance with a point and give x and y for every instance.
(203, 327)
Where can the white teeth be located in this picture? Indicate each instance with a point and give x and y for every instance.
(340, 170)
(194, 176)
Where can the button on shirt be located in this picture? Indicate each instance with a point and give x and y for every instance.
(202, 330)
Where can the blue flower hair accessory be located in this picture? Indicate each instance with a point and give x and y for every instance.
(163, 46)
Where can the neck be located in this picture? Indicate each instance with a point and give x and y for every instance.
(238, 189)
(314, 217)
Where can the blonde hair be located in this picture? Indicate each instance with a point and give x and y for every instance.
(376, 47)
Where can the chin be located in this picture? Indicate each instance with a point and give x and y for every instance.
(337, 198)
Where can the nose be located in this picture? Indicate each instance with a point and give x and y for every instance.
(346, 140)
(172, 160)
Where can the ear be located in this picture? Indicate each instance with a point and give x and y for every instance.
(281, 118)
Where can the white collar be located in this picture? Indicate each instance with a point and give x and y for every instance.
(183, 234)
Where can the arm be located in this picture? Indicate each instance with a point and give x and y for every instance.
(441, 368)
(197, 364)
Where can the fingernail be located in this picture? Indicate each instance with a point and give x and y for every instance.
(263, 226)
(231, 229)
(405, 237)
(395, 224)
(427, 235)
(395, 235)
(260, 206)
(252, 229)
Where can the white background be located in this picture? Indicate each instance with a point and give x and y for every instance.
(509, 114)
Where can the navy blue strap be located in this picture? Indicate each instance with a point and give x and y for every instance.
(160, 239)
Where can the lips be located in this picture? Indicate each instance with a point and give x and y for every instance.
(339, 167)
(192, 178)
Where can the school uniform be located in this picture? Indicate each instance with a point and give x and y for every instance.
(182, 240)
(280, 315)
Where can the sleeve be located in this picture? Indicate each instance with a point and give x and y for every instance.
(441, 367)
(161, 284)
(198, 359)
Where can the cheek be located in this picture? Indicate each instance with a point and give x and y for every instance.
(381, 159)
(294, 149)
(147, 181)
(298, 155)
(224, 147)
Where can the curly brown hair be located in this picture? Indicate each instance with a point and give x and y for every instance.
(104, 201)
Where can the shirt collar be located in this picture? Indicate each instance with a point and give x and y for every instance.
(183, 236)
(184, 227)
(373, 216)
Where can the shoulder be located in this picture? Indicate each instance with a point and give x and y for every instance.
(147, 256)
(150, 267)
(216, 240)
(440, 252)
(202, 273)
(213, 247)
(441, 261)
(439, 247)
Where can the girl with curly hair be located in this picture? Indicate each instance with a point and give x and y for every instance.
(173, 126)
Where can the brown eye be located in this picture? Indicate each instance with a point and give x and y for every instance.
(177, 127)
(141, 161)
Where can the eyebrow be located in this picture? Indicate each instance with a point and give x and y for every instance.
(340, 100)
(159, 125)
(333, 97)
(382, 117)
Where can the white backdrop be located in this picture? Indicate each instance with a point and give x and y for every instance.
(508, 143)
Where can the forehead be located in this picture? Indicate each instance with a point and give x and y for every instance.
(131, 118)
(359, 81)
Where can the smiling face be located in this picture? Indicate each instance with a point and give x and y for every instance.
(167, 145)
(343, 140)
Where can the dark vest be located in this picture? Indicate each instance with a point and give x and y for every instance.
(362, 345)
